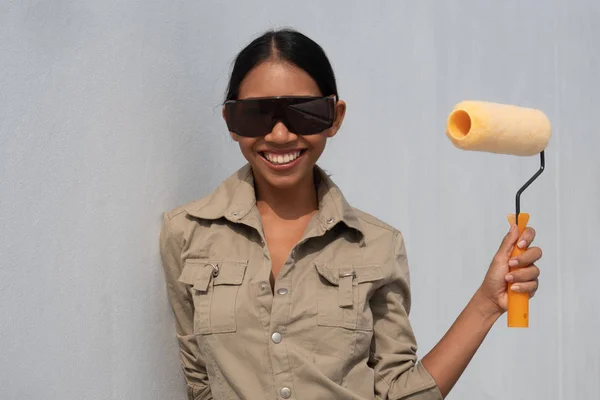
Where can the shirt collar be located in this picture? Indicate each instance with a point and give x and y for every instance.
(235, 198)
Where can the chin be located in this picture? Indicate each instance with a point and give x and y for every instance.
(283, 182)
(280, 179)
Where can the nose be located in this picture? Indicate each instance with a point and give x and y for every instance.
(280, 134)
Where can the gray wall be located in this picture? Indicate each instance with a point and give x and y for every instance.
(109, 115)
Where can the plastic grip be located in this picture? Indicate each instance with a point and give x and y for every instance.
(518, 303)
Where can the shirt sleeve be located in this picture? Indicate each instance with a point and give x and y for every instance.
(398, 373)
(194, 367)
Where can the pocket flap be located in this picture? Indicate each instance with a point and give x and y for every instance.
(330, 273)
(198, 273)
(369, 273)
(361, 274)
(231, 272)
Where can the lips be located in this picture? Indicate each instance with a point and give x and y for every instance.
(282, 158)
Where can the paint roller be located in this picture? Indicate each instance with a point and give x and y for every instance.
(503, 129)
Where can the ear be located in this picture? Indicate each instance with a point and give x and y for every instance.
(340, 113)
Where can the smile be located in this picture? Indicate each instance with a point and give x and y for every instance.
(282, 158)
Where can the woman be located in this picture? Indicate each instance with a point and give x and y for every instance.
(279, 287)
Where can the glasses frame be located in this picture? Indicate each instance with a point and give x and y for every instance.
(238, 101)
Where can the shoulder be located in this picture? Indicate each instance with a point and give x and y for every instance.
(233, 195)
(385, 248)
(174, 223)
(380, 236)
(371, 222)
(181, 211)
(185, 217)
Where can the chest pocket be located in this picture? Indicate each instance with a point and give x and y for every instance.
(343, 294)
(214, 285)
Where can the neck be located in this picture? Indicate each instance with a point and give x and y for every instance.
(290, 203)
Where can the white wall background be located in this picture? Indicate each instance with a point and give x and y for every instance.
(109, 115)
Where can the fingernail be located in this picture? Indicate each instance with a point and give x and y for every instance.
(513, 263)
(522, 244)
(509, 278)
(515, 288)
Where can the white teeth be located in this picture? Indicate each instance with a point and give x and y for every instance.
(282, 159)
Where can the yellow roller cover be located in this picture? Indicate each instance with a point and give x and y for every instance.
(498, 128)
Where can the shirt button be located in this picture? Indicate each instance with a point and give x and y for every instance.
(330, 221)
(285, 393)
(263, 286)
(276, 337)
(282, 291)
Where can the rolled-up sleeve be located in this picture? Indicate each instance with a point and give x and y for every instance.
(398, 373)
(194, 367)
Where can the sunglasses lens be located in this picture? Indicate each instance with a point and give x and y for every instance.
(310, 117)
(249, 118)
(302, 116)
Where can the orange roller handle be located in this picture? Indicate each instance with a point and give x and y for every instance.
(518, 303)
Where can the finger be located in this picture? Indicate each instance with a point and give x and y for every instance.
(526, 238)
(527, 258)
(509, 241)
(526, 274)
(526, 287)
(535, 290)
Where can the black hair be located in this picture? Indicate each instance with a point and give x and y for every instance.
(289, 46)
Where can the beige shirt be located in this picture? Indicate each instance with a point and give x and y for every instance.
(336, 325)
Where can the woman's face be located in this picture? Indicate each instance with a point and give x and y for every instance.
(273, 156)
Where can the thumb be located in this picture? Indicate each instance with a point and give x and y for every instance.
(509, 241)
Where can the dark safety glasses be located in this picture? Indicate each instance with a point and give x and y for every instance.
(301, 115)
